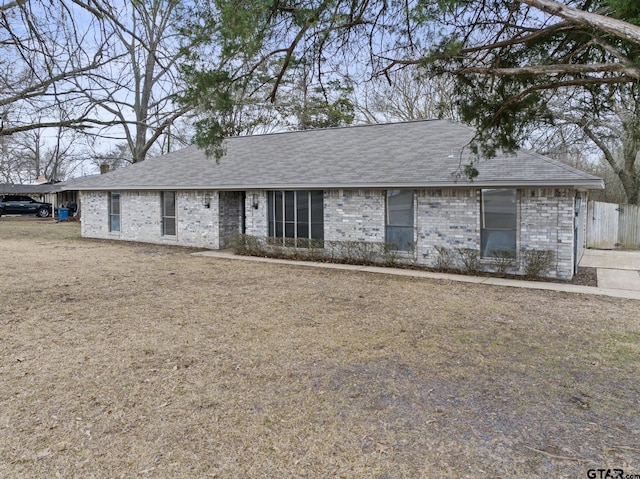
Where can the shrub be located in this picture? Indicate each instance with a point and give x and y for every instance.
(444, 258)
(470, 259)
(349, 252)
(390, 254)
(503, 259)
(248, 245)
(536, 262)
(366, 252)
(354, 252)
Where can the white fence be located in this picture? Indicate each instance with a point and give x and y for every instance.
(611, 225)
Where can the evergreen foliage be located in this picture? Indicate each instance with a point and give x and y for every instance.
(517, 65)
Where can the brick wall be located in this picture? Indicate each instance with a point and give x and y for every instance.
(197, 225)
(141, 217)
(354, 215)
(450, 218)
(256, 218)
(447, 217)
(546, 223)
(95, 214)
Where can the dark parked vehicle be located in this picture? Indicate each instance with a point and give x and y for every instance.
(23, 205)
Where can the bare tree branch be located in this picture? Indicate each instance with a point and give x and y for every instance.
(630, 71)
(613, 26)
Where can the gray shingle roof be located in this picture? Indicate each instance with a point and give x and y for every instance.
(412, 154)
(11, 189)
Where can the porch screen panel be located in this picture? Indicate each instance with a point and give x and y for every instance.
(296, 215)
(279, 214)
(302, 214)
(289, 214)
(317, 215)
(271, 214)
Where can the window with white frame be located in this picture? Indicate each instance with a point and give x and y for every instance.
(168, 213)
(498, 223)
(114, 211)
(400, 231)
(296, 215)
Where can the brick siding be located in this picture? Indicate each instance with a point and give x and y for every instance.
(141, 218)
(447, 218)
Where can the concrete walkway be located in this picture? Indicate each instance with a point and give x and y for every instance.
(515, 283)
(616, 269)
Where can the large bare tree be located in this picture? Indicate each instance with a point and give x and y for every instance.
(409, 96)
(135, 93)
(29, 155)
(44, 47)
(108, 69)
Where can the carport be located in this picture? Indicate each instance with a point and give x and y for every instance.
(46, 192)
(58, 194)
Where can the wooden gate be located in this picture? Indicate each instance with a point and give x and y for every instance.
(629, 227)
(610, 225)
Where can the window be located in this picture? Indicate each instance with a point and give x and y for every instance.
(114, 211)
(298, 215)
(498, 222)
(169, 213)
(399, 227)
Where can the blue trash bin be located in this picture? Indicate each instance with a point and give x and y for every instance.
(63, 214)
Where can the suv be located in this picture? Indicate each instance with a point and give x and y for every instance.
(23, 205)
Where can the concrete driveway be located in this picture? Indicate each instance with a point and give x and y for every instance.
(616, 269)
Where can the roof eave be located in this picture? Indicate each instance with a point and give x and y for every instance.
(585, 184)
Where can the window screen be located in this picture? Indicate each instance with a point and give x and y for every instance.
(400, 213)
(498, 222)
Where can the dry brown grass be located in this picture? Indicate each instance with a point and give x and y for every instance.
(133, 360)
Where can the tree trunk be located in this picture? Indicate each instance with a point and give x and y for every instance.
(631, 183)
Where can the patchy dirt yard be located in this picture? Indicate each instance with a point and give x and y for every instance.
(130, 360)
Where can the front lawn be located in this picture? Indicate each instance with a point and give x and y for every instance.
(134, 360)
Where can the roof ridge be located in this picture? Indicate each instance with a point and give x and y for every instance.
(346, 127)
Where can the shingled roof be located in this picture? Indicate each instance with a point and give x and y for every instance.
(417, 154)
(11, 189)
